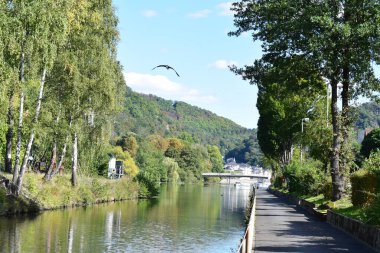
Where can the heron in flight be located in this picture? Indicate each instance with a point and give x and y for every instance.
(167, 67)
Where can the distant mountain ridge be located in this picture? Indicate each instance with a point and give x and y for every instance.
(148, 114)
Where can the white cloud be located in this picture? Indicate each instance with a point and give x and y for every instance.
(223, 64)
(149, 13)
(200, 14)
(225, 9)
(163, 87)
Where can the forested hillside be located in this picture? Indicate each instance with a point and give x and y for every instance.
(368, 115)
(147, 114)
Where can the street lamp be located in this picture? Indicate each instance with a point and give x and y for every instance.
(302, 121)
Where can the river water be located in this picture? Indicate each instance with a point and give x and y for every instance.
(185, 218)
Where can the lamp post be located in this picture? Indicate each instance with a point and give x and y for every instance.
(302, 121)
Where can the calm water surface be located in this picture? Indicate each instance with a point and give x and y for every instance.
(188, 218)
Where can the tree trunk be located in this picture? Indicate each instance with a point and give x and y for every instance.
(53, 162)
(9, 135)
(21, 111)
(74, 180)
(346, 149)
(63, 155)
(32, 133)
(18, 144)
(61, 159)
(337, 181)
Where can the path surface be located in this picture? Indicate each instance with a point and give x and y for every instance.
(281, 227)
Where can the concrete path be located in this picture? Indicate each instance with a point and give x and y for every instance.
(281, 227)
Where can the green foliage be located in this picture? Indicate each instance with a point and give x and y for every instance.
(373, 211)
(365, 184)
(75, 42)
(247, 152)
(59, 192)
(194, 160)
(307, 33)
(172, 168)
(129, 144)
(371, 143)
(327, 189)
(304, 179)
(152, 170)
(372, 163)
(367, 116)
(216, 159)
(175, 147)
(287, 88)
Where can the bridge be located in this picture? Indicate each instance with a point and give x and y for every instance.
(231, 175)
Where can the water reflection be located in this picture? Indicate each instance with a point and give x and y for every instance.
(190, 218)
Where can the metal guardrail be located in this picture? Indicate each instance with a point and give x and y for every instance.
(246, 244)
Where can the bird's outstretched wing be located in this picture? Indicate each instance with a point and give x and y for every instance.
(161, 66)
(167, 67)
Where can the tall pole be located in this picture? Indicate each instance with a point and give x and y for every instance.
(303, 120)
(301, 140)
(327, 104)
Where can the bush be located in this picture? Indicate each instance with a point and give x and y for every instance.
(371, 143)
(373, 211)
(306, 178)
(327, 189)
(372, 163)
(364, 184)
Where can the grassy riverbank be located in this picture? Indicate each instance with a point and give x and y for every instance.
(58, 193)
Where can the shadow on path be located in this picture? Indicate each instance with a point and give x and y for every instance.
(282, 227)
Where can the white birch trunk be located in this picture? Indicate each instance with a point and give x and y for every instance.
(19, 128)
(32, 133)
(18, 144)
(9, 135)
(63, 154)
(75, 161)
(53, 161)
(61, 159)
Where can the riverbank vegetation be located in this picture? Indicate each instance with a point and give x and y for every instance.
(309, 129)
(39, 194)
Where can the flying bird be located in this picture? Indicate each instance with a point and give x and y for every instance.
(167, 67)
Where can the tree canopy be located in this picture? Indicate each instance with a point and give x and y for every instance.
(340, 39)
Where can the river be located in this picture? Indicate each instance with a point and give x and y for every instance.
(184, 218)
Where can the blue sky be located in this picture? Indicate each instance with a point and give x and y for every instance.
(190, 36)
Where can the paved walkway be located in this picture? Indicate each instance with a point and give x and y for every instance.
(281, 227)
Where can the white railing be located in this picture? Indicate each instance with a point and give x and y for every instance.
(246, 244)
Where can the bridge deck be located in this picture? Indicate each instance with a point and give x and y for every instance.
(230, 175)
(284, 228)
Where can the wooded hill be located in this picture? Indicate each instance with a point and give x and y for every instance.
(368, 115)
(148, 114)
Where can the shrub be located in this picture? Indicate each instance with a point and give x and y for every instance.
(372, 163)
(373, 211)
(371, 143)
(327, 189)
(364, 184)
(306, 178)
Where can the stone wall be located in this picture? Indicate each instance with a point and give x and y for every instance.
(366, 233)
